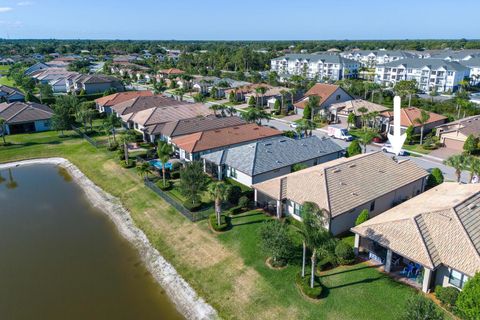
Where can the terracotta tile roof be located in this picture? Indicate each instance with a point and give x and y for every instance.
(250, 88)
(212, 139)
(144, 102)
(171, 71)
(346, 183)
(353, 106)
(20, 112)
(322, 90)
(119, 97)
(408, 116)
(430, 228)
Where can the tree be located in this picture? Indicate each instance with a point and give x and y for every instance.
(126, 138)
(214, 108)
(435, 178)
(255, 115)
(362, 217)
(164, 151)
(366, 136)
(473, 167)
(351, 120)
(422, 120)
(306, 126)
(277, 106)
(112, 122)
(468, 302)
(214, 92)
(459, 163)
(419, 307)
(261, 90)
(232, 97)
(143, 170)
(307, 112)
(218, 192)
(409, 133)
(314, 103)
(283, 94)
(406, 88)
(3, 129)
(354, 148)
(363, 111)
(276, 241)
(193, 181)
(471, 144)
(62, 118)
(46, 91)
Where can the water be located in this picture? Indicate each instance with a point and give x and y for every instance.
(60, 258)
(158, 164)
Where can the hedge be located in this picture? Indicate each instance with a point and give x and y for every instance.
(213, 222)
(304, 285)
(448, 295)
(193, 207)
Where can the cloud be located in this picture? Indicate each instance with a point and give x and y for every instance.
(24, 3)
(5, 9)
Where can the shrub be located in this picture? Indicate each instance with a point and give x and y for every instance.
(468, 302)
(362, 217)
(419, 307)
(121, 155)
(326, 263)
(235, 210)
(354, 148)
(304, 285)
(276, 242)
(112, 147)
(213, 222)
(168, 185)
(448, 295)
(435, 178)
(299, 166)
(129, 164)
(234, 194)
(243, 202)
(344, 253)
(176, 166)
(175, 175)
(193, 207)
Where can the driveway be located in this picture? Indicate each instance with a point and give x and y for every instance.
(443, 153)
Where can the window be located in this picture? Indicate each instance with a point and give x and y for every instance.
(233, 172)
(457, 278)
(338, 97)
(46, 123)
(372, 206)
(297, 209)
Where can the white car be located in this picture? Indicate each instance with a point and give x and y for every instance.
(387, 147)
(293, 125)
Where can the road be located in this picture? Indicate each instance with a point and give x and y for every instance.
(427, 164)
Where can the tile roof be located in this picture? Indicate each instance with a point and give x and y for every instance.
(224, 137)
(466, 126)
(166, 114)
(346, 183)
(354, 105)
(317, 57)
(408, 116)
(141, 103)
(19, 112)
(432, 227)
(10, 91)
(322, 90)
(432, 64)
(274, 153)
(171, 71)
(119, 97)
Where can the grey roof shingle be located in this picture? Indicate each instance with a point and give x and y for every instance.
(417, 63)
(20, 112)
(267, 155)
(328, 58)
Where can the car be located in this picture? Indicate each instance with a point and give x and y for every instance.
(387, 147)
(293, 125)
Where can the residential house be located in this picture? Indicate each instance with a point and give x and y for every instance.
(437, 230)
(10, 94)
(93, 84)
(105, 104)
(430, 74)
(409, 117)
(130, 107)
(454, 134)
(166, 73)
(370, 58)
(341, 110)
(316, 66)
(343, 188)
(270, 158)
(328, 94)
(25, 117)
(245, 92)
(191, 147)
(204, 85)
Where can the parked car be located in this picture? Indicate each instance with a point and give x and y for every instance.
(387, 147)
(293, 125)
(339, 133)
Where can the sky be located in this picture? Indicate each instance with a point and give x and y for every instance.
(239, 20)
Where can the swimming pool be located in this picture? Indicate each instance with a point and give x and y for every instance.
(158, 164)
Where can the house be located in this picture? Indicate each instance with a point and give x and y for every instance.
(104, 104)
(408, 118)
(344, 187)
(25, 117)
(145, 120)
(170, 130)
(316, 66)
(37, 66)
(437, 230)
(204, 85)
(270, 158)
(341, 110)
(191, 147)
(328, 94)
(430, 74)
(370, 58)
(166, 73)
(134, 105)
(91, 84)
(454, 134)
(10, 94)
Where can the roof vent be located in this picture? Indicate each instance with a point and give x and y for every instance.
(268, 144)
(336, 170)
(472, 206)
(354, 194)
(381, 171)
(342, 183)
(352, 165)
(283, 140)
(253, 128)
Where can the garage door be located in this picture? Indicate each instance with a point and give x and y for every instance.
(453, 144)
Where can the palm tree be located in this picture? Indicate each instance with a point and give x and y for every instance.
(254, 115)
(112, 122)
(366, 136)
(459, 163)
(144, 170)
(363, 111)
(231, 110)
(314, 103)
(473, 167)
(306, 126)
(283, 93)
(214, 108)
(3, 129)
(164, 151)
(127, 137)
(218, 192)
(422, 120)
(261, 90)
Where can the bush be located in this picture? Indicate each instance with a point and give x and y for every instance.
(304, 285)
(113, 147)
(213, 222)
(235, 210)
(344, 253)
(129, 164)
(354, 148)
(326, 263)
(234, 194)
(299, 166)
(175, 175)
(276, 242)
(419, 307)
(176, 166)
(362, 217)
(435, 178)
(244, 202)
(448, 295)
(193, 207)
(468, 302)
(168, 185)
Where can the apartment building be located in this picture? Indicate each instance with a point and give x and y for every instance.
(371, 58)
(430, 74)
(322, 66)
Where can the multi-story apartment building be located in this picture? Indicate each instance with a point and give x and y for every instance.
(474, 65)
(320, 66)
(370, 58)
(430, 74)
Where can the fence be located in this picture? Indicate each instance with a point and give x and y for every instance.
(84, 136)
(192, 216)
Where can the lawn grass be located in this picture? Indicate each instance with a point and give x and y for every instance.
(7, 82)
(228, 269)
(416, 148)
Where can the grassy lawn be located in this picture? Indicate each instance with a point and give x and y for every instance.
(416, 148)
(227, 269)
(4, 69)
(7, 82)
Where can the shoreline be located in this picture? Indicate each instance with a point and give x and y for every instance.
(181, 294)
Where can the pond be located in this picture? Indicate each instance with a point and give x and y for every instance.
(61, 258)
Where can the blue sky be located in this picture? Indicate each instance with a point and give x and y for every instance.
(239, 20)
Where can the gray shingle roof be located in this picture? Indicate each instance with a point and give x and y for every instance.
(417, 63)
(267, 155)
(329, 58)
(20, 112)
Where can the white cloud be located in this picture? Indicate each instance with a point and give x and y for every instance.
(24, 3)
(5, 9)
